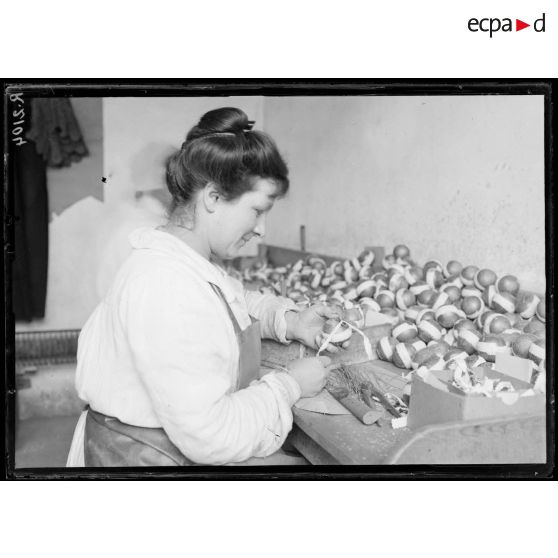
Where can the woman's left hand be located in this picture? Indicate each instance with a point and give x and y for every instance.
(306, 326)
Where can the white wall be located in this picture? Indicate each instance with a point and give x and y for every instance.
(452, 177)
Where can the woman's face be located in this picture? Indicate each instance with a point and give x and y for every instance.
(239, 220)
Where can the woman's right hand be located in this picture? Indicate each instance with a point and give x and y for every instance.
(310, 373)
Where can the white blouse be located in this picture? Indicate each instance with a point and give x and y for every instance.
(160, 351)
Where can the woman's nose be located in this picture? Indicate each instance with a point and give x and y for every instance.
(259, 229)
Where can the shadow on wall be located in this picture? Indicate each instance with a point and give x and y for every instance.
(147, 168)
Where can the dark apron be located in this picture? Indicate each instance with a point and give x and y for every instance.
(112, 443)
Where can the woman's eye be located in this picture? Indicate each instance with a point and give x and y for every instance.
(259, 212)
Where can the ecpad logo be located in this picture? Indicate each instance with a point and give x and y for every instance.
(494, 24)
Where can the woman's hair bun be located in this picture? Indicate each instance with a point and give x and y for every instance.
(221, 121)
(222, 149)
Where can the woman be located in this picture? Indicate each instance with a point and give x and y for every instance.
(169, 362)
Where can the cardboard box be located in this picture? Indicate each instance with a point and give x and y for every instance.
(432, 405)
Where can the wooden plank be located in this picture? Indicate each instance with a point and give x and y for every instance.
(521, 439)
(348, 441)
(310, 449)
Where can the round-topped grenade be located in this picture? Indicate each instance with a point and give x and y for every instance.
(433, 362)
(350, 274)
(425, 314)
(349, 292)
(385, 298)
(412, 313)
(422, 355)
(472, 306)
(453, 292)
(483, 278)
(483, 316)
(508, 284)
(490, 345)
(366, 288)
(540, 312)
(470, 290)
(468, 274)
(432, 264)
(535, 326)
(316, 279)
(418, 287)
(336, 268)
(462, 324)
(388, 260)
(366, 272)
(413, 273)
(433, 277)
(354, 316)
(396, 281)
(317, 263)
(453, 281)
(403, 354)
(429, 330)
(468, 339)
(404, 331)
(366, 257)
(392, 313)
(453, 267)
(425, 298)
(537, 351)
(342, 333)
(418, 344)
(503, 303)
(448, 315)
(520, 347)
(526, 305)
(401, 251)
(369, 304)
(384, 348)
(440, 299)
(488, 295)
(404, 298)
(496, 323)
(515, 319)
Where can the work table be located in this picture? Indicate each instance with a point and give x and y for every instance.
(344, 440)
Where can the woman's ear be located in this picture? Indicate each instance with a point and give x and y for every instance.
(211, 197)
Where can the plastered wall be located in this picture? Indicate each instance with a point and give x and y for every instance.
(452, 177)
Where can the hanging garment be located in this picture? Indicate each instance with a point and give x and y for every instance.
(56, 132)
(30, 265)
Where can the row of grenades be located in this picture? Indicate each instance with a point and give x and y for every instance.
(460, 313)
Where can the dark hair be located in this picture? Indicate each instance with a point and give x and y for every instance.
(223, 149)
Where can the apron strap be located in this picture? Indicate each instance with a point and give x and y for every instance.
(236, 325)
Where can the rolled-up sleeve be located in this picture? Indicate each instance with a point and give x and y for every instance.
(182, 345)
(270, 311)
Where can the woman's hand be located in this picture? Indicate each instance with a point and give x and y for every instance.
(306, 326)
(310, 374)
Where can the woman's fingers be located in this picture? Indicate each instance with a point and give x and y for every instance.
(325, 360)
